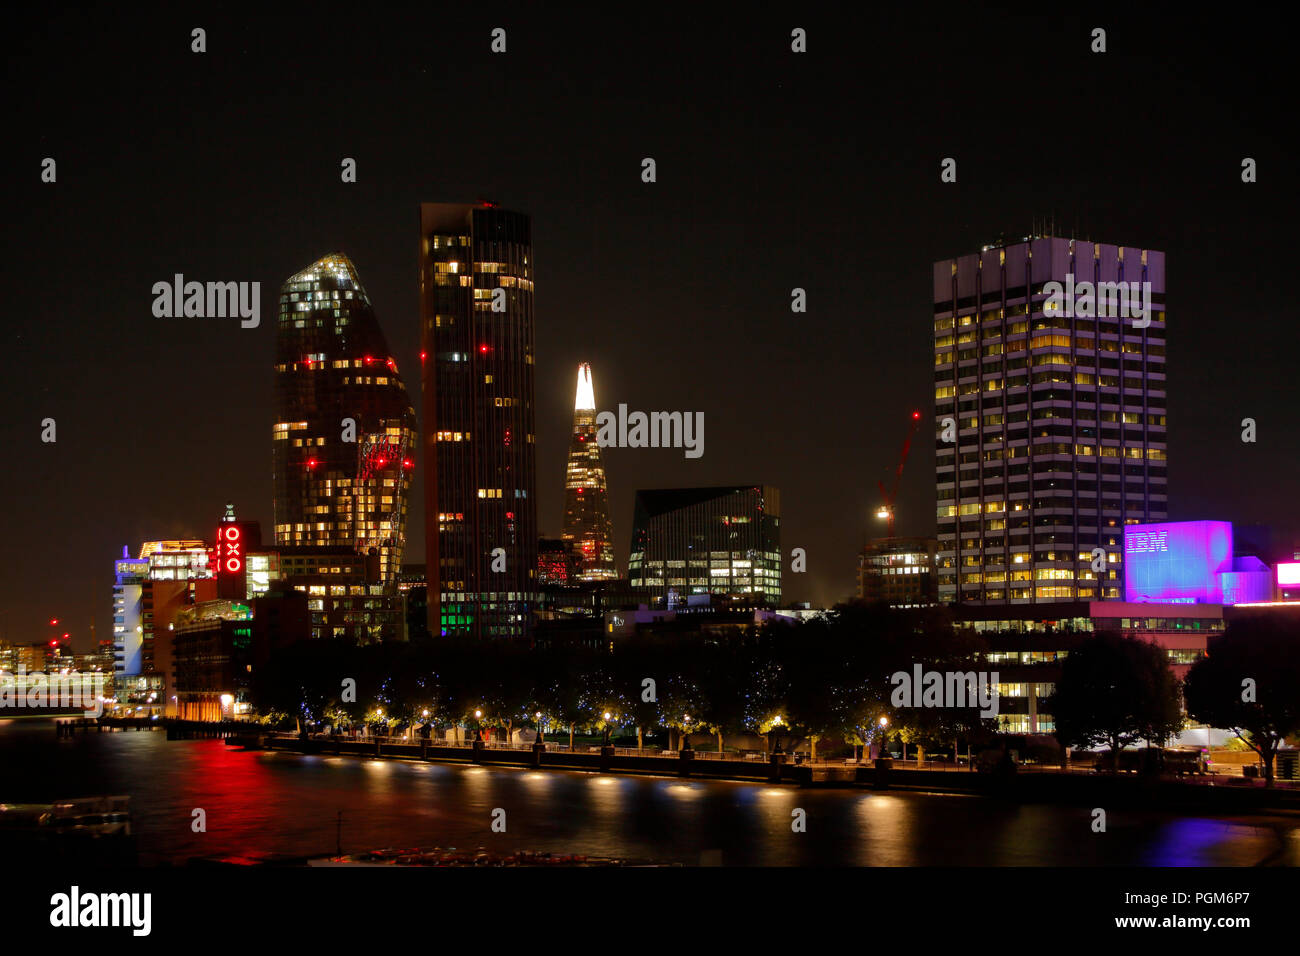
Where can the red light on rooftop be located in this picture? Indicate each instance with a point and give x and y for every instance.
(311, 462)
(483, 348)
(54, 621)
(66, 636)
(407, 463)
(423, 356)
(916, 415)
(510, 515)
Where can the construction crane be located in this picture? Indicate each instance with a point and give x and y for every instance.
(887, 509)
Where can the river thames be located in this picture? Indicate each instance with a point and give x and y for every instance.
(259, 804)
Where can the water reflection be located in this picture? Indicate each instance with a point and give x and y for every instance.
(263, 803)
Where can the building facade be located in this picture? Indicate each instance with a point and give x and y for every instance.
(556, 564)
(588, 531)
(345, 597)
(213, 654)
(1049, 417)
(343, 442)
(723, 541)
(477, 350)
(1027, 645)
(129, 575)
(898, 571)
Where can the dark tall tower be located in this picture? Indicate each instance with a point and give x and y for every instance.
(335, 380)
(587, 528)
(476, 304)
(1053, 399)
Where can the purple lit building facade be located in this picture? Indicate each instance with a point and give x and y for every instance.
(1190, 562)
(1049, 420)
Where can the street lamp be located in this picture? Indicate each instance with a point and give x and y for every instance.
(607, 719)
(884, 722)
(538, 717)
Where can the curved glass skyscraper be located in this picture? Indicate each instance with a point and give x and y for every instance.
(344, 435)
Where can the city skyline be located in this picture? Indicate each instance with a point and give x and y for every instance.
(928, 495)
(667, 312)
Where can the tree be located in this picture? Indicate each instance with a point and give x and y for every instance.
(1249, 681)
(635, 660)
(1115, 690)
(767, 693)
(558, 685)
(681, 702)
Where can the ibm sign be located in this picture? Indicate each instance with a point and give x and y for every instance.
(1145, 542)
(1177, 562)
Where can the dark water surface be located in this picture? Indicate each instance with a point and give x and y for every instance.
(261, 803)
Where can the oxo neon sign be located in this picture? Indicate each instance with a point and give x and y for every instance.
(229, 550)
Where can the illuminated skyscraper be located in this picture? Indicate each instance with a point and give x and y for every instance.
(344, 436)
(724, 542)
(1050, 417)
(587, 528)
(476, 297)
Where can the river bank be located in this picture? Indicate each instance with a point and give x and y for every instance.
(1229, 795)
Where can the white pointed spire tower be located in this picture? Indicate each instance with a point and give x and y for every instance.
(587, 528)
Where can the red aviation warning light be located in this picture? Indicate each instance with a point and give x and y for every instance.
(311, 463)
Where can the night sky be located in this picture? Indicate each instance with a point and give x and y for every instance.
(775, 170)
